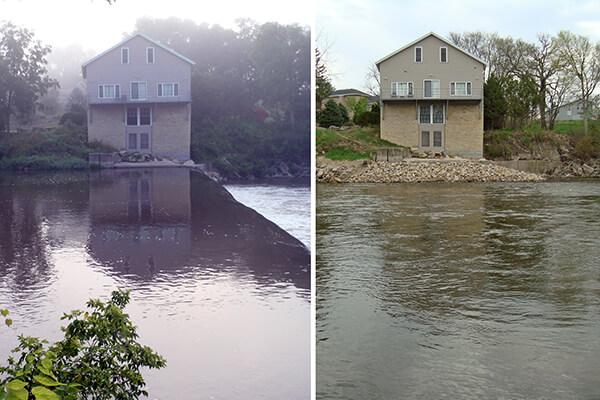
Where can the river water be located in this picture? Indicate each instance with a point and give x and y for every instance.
(470, 291)
(221, 292)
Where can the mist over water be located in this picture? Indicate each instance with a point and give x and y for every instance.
(458, 291)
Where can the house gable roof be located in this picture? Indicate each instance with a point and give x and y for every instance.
(84, 65)
(348, 92)
(443, 39)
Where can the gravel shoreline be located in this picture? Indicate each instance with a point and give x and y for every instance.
(413, 171)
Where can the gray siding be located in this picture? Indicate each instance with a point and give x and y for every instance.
(167, 68)
(459, 67)
(573, 111)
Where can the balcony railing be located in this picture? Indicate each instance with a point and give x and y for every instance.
(151, 97)
(433, 94)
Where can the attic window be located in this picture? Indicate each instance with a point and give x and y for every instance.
(418, 54)
(124, 55)
(443, 54)
(150, 55)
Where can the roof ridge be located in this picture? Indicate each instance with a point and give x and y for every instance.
(431, 33)
(121, 43)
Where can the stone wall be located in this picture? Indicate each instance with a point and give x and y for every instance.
(464, 130)
(106, 125)
(399, 124)
(171, 131)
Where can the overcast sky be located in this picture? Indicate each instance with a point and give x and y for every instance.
(97, 26)
(360, 32)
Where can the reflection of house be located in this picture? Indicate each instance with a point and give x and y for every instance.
(163, 219)
(139, 98)
(137, 224)
(570, 111)
(432, 97)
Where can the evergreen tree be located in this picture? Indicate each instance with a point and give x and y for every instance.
(343, 113)
(330, 115)
(495, 107)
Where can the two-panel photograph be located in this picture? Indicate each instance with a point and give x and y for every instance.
(322, 200)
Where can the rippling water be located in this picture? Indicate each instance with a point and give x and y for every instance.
(284, 203)
(219, 291)
(458, 291)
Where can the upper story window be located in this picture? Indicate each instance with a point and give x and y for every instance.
(150, 55)
(460, 88)
(431, 88)
(418, 54)
(108, 91)
(168, 90)
(402, 89)
(443, 54)
(125, 55)
(138, 91)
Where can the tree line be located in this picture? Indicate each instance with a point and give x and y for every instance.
(526, 79)
(250, 91)
(250, 87)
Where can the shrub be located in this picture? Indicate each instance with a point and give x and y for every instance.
(367, 118)
(98, 359)
(43, 163)
(76, 118)
(586, 147)
(497, 144)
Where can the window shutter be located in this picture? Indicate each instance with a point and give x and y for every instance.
(117, 91)
(410, 88)
(100, 91)
(393, 88)
(160, 90)
(176, 89)
(469, 88)
(452, 88)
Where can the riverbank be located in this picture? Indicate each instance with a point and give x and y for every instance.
(417, 170)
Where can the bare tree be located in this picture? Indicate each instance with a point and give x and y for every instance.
(540, 61)
(582, 59)
(323, 83)
(559, 89)
(372, 82)
(482, 45)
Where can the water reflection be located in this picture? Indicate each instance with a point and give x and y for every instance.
(27, 205)
(220, 291)
(144, 221)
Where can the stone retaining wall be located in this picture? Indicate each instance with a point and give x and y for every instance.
(365, 171)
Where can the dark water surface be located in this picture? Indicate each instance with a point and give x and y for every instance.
(218, 290)
(463, 291)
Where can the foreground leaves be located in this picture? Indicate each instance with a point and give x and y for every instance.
(99, 358)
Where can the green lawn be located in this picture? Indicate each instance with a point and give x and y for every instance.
(351, 144)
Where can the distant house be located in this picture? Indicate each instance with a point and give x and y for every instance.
(340, 97)
(139, 98)
(570, 111)
(432, 97)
